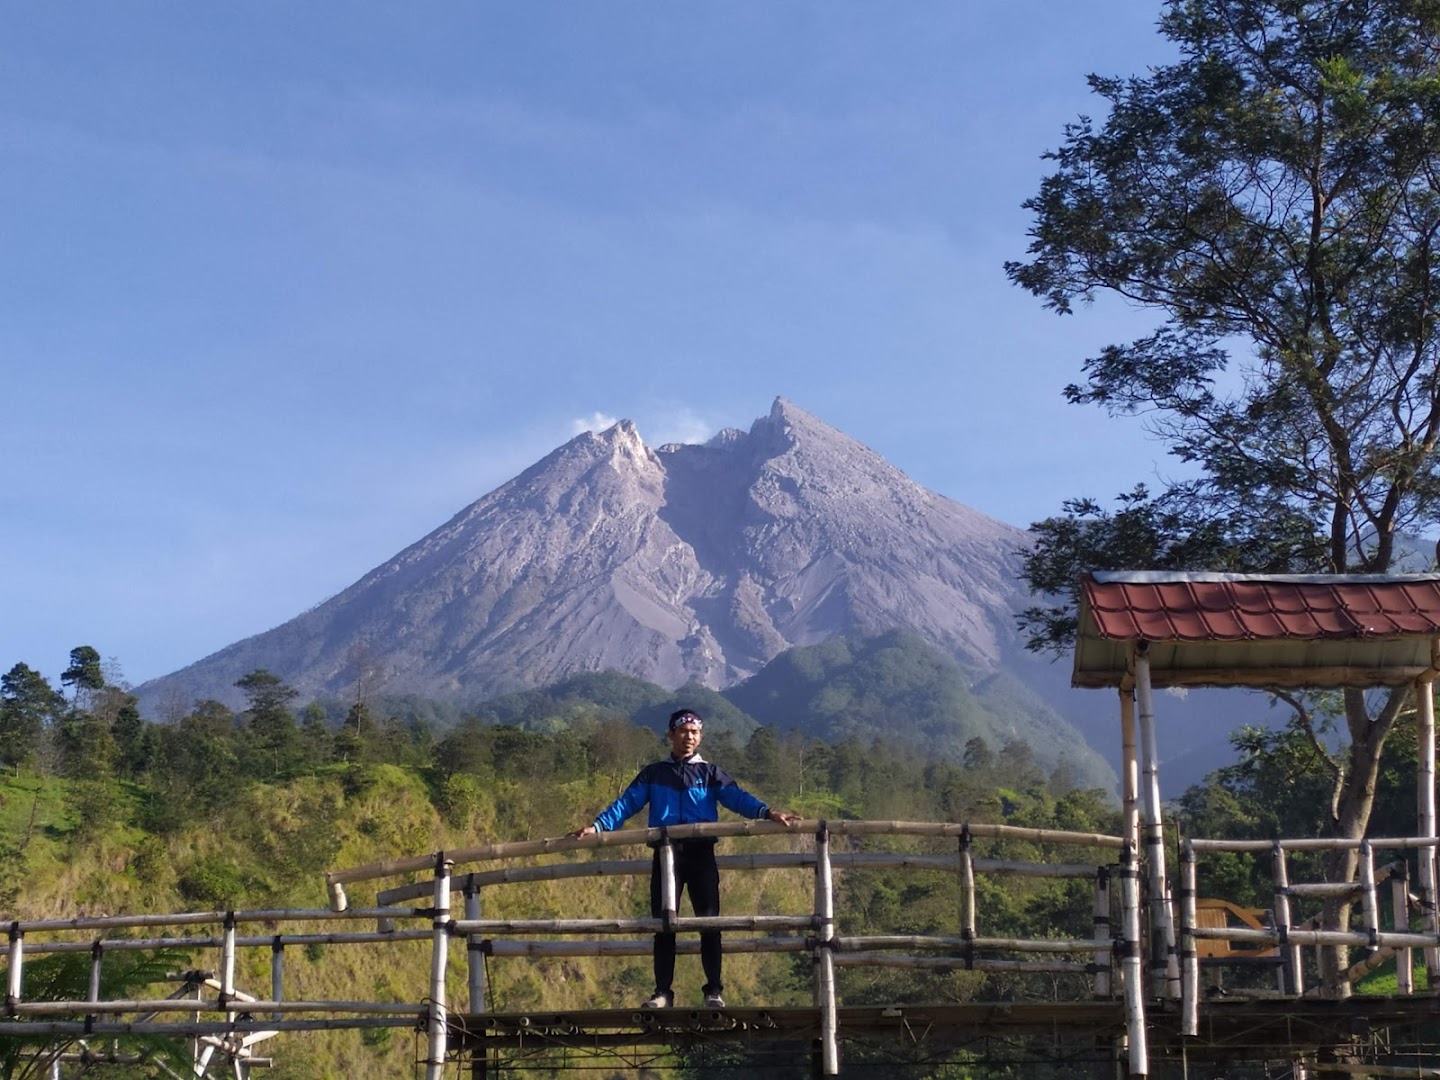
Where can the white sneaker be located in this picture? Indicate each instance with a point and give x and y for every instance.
(714, 1001)
(662, 999)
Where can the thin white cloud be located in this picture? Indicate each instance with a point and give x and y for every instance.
(596, 421)
(682, 425)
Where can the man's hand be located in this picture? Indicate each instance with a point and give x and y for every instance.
(785, 818)
(588, 830)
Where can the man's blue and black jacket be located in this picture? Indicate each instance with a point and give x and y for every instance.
(680, 793)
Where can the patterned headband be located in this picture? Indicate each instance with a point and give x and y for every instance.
(685, 716)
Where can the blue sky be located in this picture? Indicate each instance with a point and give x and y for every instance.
(284, 286)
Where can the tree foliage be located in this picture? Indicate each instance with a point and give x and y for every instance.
(84, 672)
(66, 977)
(1273, 198)
(29, 705)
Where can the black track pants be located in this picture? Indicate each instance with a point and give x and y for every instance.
(695, 872)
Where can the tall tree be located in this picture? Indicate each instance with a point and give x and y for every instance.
(85, 671)
(1273, 198)
(29, 705)
(270, 725)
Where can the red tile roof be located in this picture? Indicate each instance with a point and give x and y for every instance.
(1175, 607)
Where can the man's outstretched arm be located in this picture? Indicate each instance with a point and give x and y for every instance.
(631, 800)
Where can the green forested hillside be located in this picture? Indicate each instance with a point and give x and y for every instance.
(899, 687)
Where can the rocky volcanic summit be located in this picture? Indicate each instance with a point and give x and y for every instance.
(686, 562)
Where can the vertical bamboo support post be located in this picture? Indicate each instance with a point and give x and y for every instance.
(1425, 808)
(1132, 968)
(17, 962)
(277, 973)
(1104, 946)
(824, 953)
(97, 957)
(1129, 768)
(1189, 960)
(967, 893)
(475, 952)
(1400, 915)
(669, 900)
(1164, 965)
(1368, 902)
(227, 961)
(439, 958)
(1283, 922)
(199, 1052)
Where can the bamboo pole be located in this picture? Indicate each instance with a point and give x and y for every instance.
(16, 966)
(1326, 843)
(1164, 964)
(439, 957)
(959, 963)
(967, 892)
(227, 961)
(1104, 946)
(149, 944)
(1341, 889)
(1132, 966)
(1425, 810)
(203, 918)
(1294, 969)
(1400, 918)
(625, 926)
(1129, 769)
(669, 895)
(1368, 902)
(978, 830)
(1189, 958)
(643, 947)
(1383, 939)
(825, 954)
(214, 1005)
(202, 1050)
(475, 950)
(923, 941)
(97, 956)
(91, 1056)
(198, 1029)
(726, 863)
(754, 827)
(277, 970)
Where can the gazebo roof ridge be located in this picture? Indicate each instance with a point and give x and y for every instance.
(1140, 577)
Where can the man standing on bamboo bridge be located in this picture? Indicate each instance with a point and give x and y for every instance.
(684, 790)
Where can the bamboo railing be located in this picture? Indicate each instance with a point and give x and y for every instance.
(820, 937)
(1291, 938)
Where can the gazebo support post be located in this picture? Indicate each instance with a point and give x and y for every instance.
(1129, 767)
(1132, 966)
(1164, 965)
(1425, 806)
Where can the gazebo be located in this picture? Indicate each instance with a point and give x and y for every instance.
(1143, 630)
